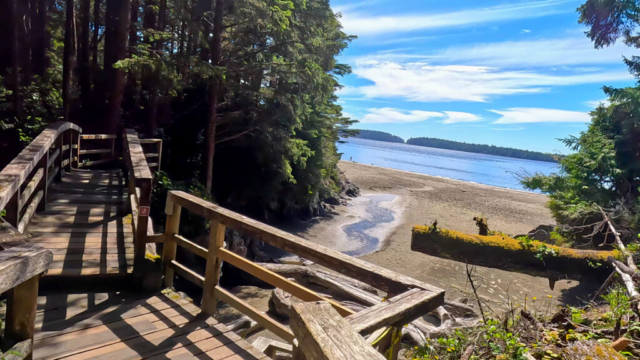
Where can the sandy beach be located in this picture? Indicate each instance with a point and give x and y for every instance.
(420, 199)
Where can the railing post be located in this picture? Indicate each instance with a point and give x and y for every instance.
(212, 271)
(173, 212)
(143, 221)
(43, 184)
(58, 162)
(68, 167)
(12, 209)
(78, 151)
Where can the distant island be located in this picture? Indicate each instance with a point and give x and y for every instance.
(379, 136)
(482, 149)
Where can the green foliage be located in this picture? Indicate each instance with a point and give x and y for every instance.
(501, 343)
(619, 302)
(482, 149)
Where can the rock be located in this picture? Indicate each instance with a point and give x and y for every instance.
(347, 187)
(621, 344)
(590, 350)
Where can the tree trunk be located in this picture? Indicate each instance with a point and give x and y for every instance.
(214, 88)
(152, 107)
(68, 59)
(83, 56)
(133, 29)
(15, 58)
(24, 39)
(40, 40)
(96, 31)
(116, 77)
(506, 253)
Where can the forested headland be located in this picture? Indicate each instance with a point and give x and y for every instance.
(379, 136)
(482, 149)
(242, 92)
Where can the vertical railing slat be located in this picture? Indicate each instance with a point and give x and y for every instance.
(173, 211)
(212, 271)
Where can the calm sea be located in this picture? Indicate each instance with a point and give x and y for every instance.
(483, 169)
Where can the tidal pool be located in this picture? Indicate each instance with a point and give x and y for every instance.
(361, 231)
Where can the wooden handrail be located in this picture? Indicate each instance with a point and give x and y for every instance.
(24, 182)
(14, 174)
(412, 297)
(140, 182)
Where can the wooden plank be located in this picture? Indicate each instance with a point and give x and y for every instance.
(187, 273)
(397, 311)
(95, 151)
(14, 174)
(109, 250)
(70, 317)
(95, 162)
(149, 155)
(31, 186)
(89, 342)
(262, 319)
(368, 273)
(83, 237)
(212, 271)
(191, 246)
(324, 335)
(31, 209)
(80, 228)
(98, 137)
(52, 176)
(150, 141)
(20, 263)
(90, 271)
(96, 257)
(152, 165)
(98, 264)
(136, 158)
(53, 157)
(278, 281)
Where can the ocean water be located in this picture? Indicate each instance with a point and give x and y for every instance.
(484, 169)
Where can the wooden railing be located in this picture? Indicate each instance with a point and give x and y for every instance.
(139, 179)
(24, 182)
(109, 150)
(408, 298)
(154, 156)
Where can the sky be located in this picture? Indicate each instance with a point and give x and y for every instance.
(518, 73)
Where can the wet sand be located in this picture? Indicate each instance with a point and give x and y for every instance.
(421, 199)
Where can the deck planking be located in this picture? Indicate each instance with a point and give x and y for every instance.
(128, 326)
(86, 225)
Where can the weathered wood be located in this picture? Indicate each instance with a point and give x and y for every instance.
(31, 186)
(21, 311)
(187, 273)
(278, 281)
(323, 334)
(214, 264)
(95, 151)
(505, 253)
(55, 174)
(262, 319)
(53, 157)
(373, 275)
(14, 174)
(19, 351)
(31, 210)
(136, 159)
(172, 227)
(191, 246)
(397, 311)
(97, 137)
(95, 162)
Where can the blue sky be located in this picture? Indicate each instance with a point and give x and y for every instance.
(511, 73)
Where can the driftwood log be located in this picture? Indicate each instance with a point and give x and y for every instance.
(506, 253)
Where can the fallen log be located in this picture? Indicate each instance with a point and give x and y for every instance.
(506, 253)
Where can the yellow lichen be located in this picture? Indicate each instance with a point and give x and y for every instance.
(510, 243)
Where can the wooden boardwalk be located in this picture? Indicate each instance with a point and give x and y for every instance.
(121, 326)
(85, 225)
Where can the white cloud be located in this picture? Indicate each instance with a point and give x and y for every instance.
(458, 117)
(391, 115)
(595, 103)
(533, 53)
(539, 115)
(526, 31)
(439, 83)
(363, 24)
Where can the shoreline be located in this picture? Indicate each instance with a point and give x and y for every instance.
(421, 199)
(473, 183)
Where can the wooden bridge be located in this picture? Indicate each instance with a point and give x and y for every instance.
(67, 226)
